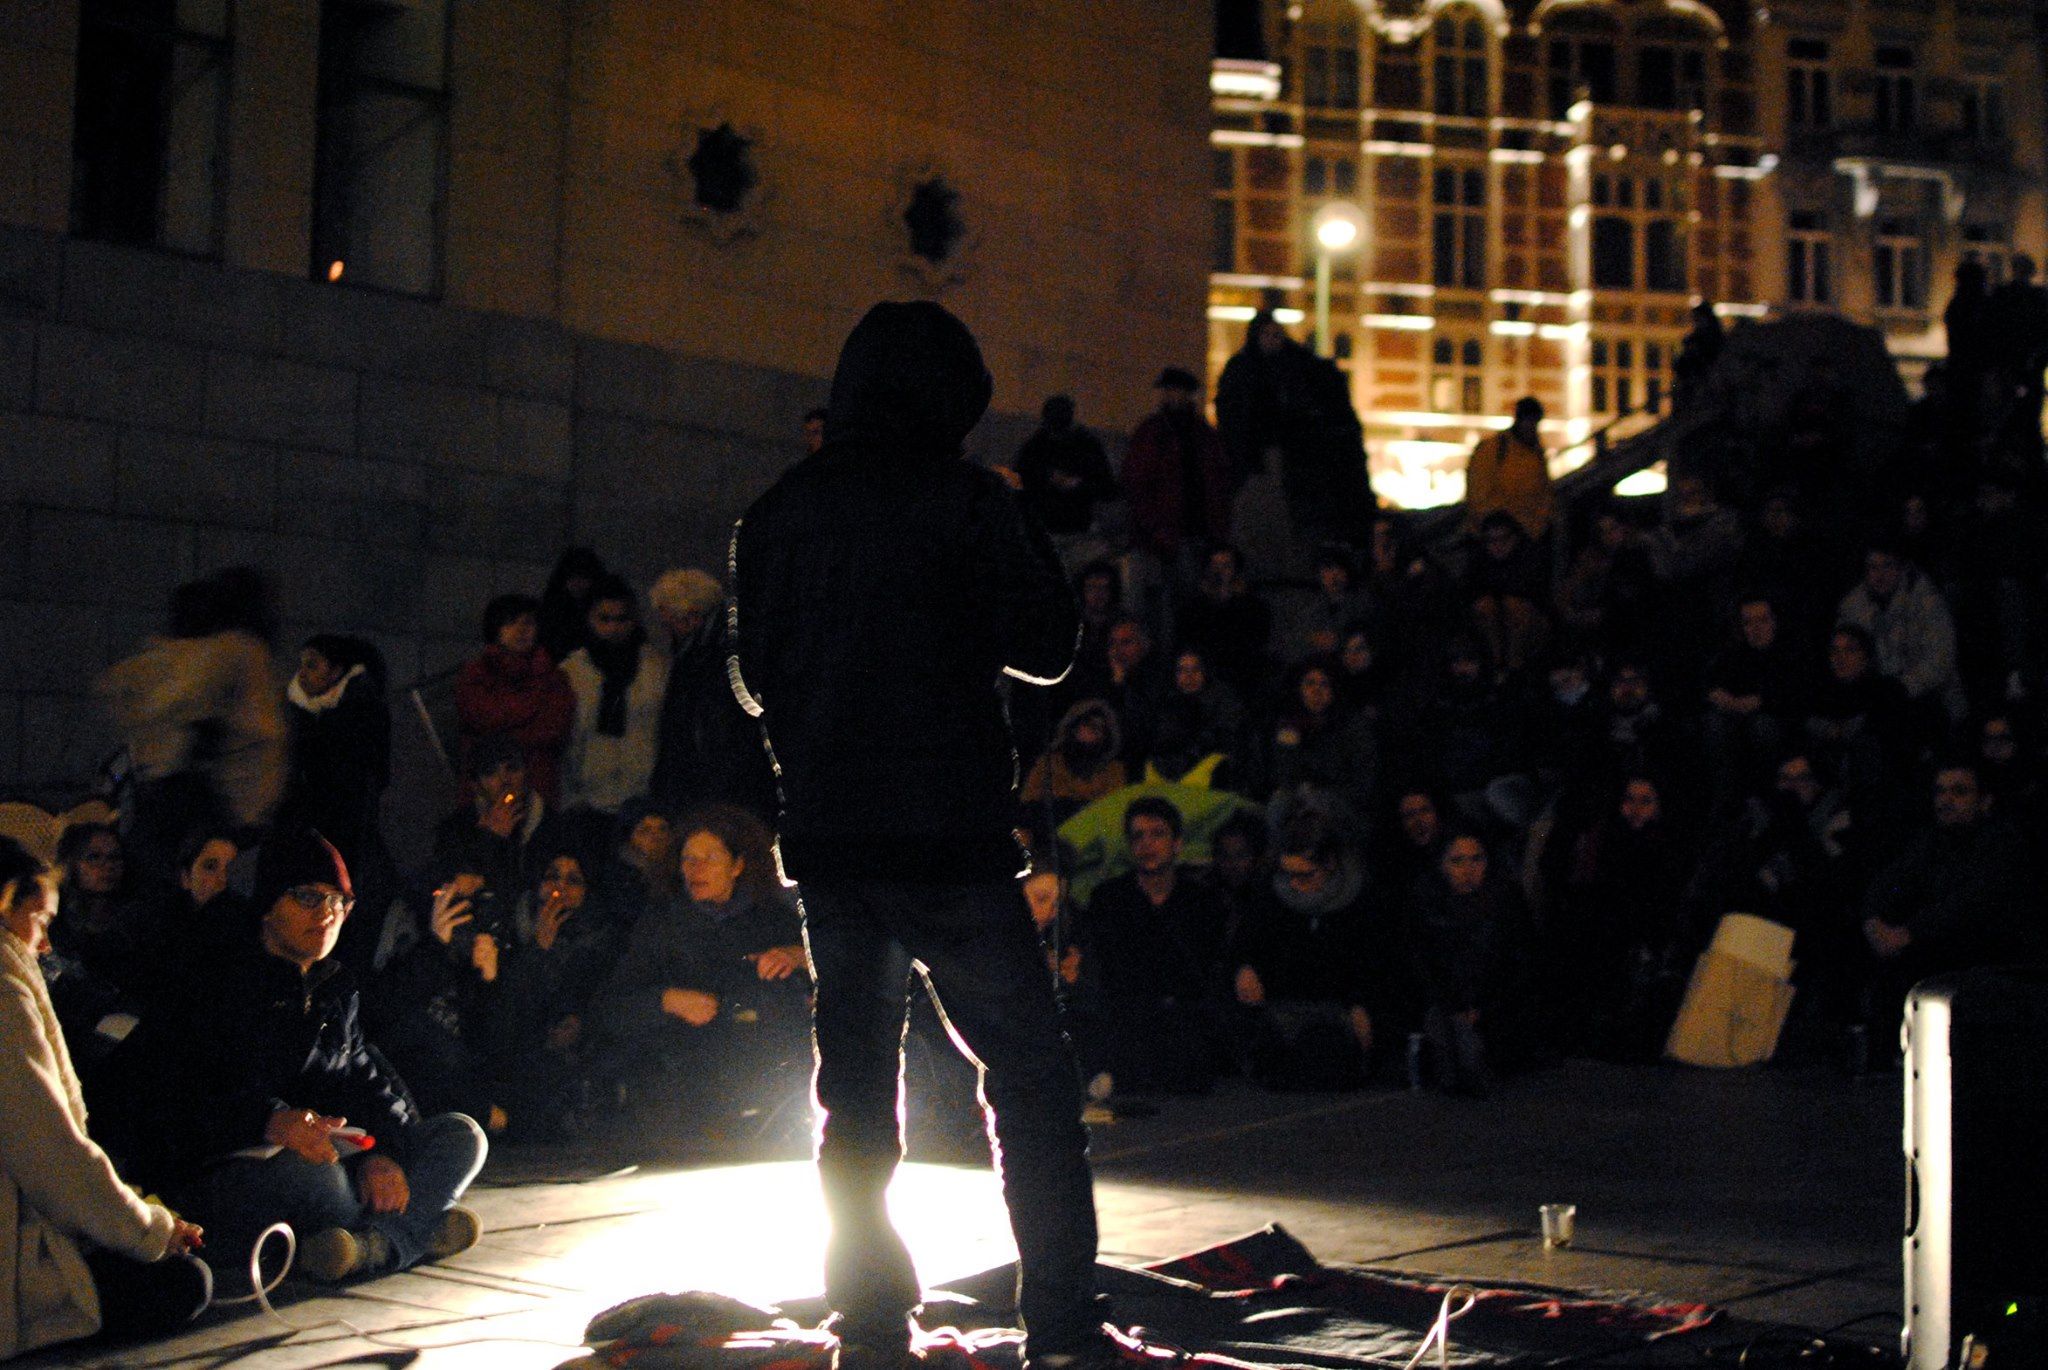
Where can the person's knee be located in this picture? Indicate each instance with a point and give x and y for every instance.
(456, 1136)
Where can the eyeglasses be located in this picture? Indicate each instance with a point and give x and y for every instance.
(310, 897)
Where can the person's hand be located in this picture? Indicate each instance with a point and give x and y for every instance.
(382, 1184)
(184, 1237)
(1361, 1027)
(693, 1006)
(502, 815)
(483, 956)
(566, 1033)
(777, 963)
(450, 912)
(1886, 939)
(1070, 965)
(547, 925)
(1251, 991)
(304, 1133)
(1469, 1017)
(1009, 476)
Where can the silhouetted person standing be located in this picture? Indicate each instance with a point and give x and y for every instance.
(881, 588)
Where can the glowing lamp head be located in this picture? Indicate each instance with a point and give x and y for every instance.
(1338, 227)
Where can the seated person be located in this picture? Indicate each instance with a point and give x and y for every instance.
(240, 1094)
(642, 870)
(192, 924)
(566, 943)
(1312, 965)
(502, 832)
(1152, 940)
(714, 985)
(1082, 764)
(96, 962)
(1467, 931)
(84, 1253)
(441, 1010)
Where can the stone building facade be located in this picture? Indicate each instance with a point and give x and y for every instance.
(1547, 187)
(395, 298)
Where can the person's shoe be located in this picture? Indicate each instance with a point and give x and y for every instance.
(339, 1254)
(454, 1232)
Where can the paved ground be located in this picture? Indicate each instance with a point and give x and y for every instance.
(1774, 1194)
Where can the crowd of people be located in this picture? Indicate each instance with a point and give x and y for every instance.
(1322, 802)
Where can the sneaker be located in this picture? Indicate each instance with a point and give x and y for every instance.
(338, 1254)
(454, 1232)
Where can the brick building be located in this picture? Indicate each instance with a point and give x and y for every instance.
(397, 297)
(1548, 188)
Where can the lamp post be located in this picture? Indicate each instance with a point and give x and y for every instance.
(1338, 226)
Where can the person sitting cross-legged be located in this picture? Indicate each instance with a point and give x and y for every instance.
(252, 1097)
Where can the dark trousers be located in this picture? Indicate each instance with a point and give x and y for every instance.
(143, 1299)
(980, 953)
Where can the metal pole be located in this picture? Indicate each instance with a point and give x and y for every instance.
(1323, 302)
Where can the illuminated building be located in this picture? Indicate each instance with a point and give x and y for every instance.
(1548, 189)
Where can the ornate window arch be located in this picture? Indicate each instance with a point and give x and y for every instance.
(1460, 61)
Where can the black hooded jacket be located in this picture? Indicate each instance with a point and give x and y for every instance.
(880, 589)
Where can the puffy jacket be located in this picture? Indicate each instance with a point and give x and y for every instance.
(881, 587)
(202, 1078)
(524, 698)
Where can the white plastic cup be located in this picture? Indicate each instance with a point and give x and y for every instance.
(1558, 1221)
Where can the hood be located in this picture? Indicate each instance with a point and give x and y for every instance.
(910, 379)
(1090, 708)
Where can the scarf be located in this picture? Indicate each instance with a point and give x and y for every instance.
(619, 664)
(320, 704)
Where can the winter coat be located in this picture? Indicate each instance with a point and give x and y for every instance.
(710, 752)
(602, 772)
(1464, 946)
(341, 760)
(1073, 452)
(880, 589)
(1332, 948)
(202, 1077)
(1506, 474)
(1916, 639)
(521, 697)
(1054, 776)
(210, 705)
(1170, 457)
(59, 1194)
(687, 945)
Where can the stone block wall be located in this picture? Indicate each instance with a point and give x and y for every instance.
(390, 463)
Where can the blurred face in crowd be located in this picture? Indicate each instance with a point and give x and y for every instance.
(1463, 865)
(99, 868)
(1691, 498)
(1419, 821)
(1957, 800)
(317, 675)
(1499, 541)
(26, 908)
(1090, 736)
(1796, 778)
(1759, 625)
(652, 838)
(1154, 848)
(1098, 594)
(1610, 532)
(1640, 804)
(1190, 675)
(1356, 653)
(1466, 669)
(1629, 691)
(710, 870)
(1270, 338)
(1882, 573)
(1042, 891)
(1848, 661)
(521, 635)
(1334, 578)
(1304, 874)
(1235, 860)
(814, 433)
(1317, 692)
(305, 923)
(1128, 646)
(1220, 572)
(206, 879)
(1568, 682)
(1996, 742)
(612, 620)
(504, 784)
(1175, 398)
(563, 881)
(1778, 517)
(1914, 515)
(684, 623)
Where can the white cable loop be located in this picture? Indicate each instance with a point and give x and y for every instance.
(1440, 1332)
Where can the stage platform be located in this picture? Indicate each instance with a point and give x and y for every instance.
(1775, 1194)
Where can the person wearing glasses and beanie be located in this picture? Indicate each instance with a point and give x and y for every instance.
(257, 1100)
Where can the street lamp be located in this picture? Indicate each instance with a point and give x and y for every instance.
(1337, 226)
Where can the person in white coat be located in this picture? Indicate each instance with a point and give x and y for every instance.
(80, 1252)
(620, 680)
